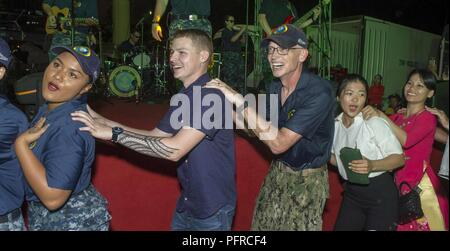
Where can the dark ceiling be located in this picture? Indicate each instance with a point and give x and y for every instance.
(430, 15)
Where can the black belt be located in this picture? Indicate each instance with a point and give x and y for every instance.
(13, 215)
(303, 172)
(191, 17)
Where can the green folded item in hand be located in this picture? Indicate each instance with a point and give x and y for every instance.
(347, 155)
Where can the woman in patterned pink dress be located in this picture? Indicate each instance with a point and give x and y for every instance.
(415, 130)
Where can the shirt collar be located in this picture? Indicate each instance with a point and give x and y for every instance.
(202, 80)
(304, 80)
(302, 83)
(63, 109)
(359, 117)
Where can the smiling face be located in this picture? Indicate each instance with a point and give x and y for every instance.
(64, 80)
(416, 91)
(188, 62)
(285, 62)
(353, 99)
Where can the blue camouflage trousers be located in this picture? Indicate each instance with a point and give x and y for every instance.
(86, 211)
(16, 224)
(184, 24)
(289, 200)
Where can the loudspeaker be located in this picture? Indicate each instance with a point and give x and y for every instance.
(28, 89)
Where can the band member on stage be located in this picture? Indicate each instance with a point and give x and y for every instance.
(61, 13)
(12, 123)
(205, 154)
(186, 14)
(55, 156)
(274, 13)
(233, 71)
(130, 46)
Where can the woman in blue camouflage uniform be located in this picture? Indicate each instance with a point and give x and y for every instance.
(12, 123)
(55, 156)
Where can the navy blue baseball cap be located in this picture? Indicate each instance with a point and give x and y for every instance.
(287, 36)
(5, 53)
(88, 59)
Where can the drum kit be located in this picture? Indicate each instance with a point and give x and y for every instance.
(140, 73)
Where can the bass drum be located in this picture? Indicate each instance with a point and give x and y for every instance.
(124, 81)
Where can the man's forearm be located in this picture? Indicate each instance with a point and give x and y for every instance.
(265, 24)
(238, 35)
(142, 132)
(151, 146)
(389, 163)
(160, 8)
(440, 135)
(259, 126)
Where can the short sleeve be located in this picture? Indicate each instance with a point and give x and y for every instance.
(201, 117)
(164, 124)
(64, 158)
(384, 137)
(212, 115)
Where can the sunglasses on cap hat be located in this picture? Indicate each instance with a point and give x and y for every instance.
(83, 50)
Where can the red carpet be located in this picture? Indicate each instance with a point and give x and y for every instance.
(142, 191)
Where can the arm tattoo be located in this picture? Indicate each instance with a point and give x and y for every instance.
(151, 146)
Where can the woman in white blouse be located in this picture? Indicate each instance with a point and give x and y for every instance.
(373, 206)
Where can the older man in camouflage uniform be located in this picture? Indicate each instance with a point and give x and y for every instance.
(295, 190)
(186, 14)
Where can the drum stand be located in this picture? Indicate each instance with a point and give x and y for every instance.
(160, 72)
(141, 66)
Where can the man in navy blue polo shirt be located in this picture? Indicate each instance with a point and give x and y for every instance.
(205, 154)
(295, 190)
(12, 123)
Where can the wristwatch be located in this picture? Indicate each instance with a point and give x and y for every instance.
(116, 131)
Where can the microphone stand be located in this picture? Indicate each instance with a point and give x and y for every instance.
(141, 54)
(72, 24)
